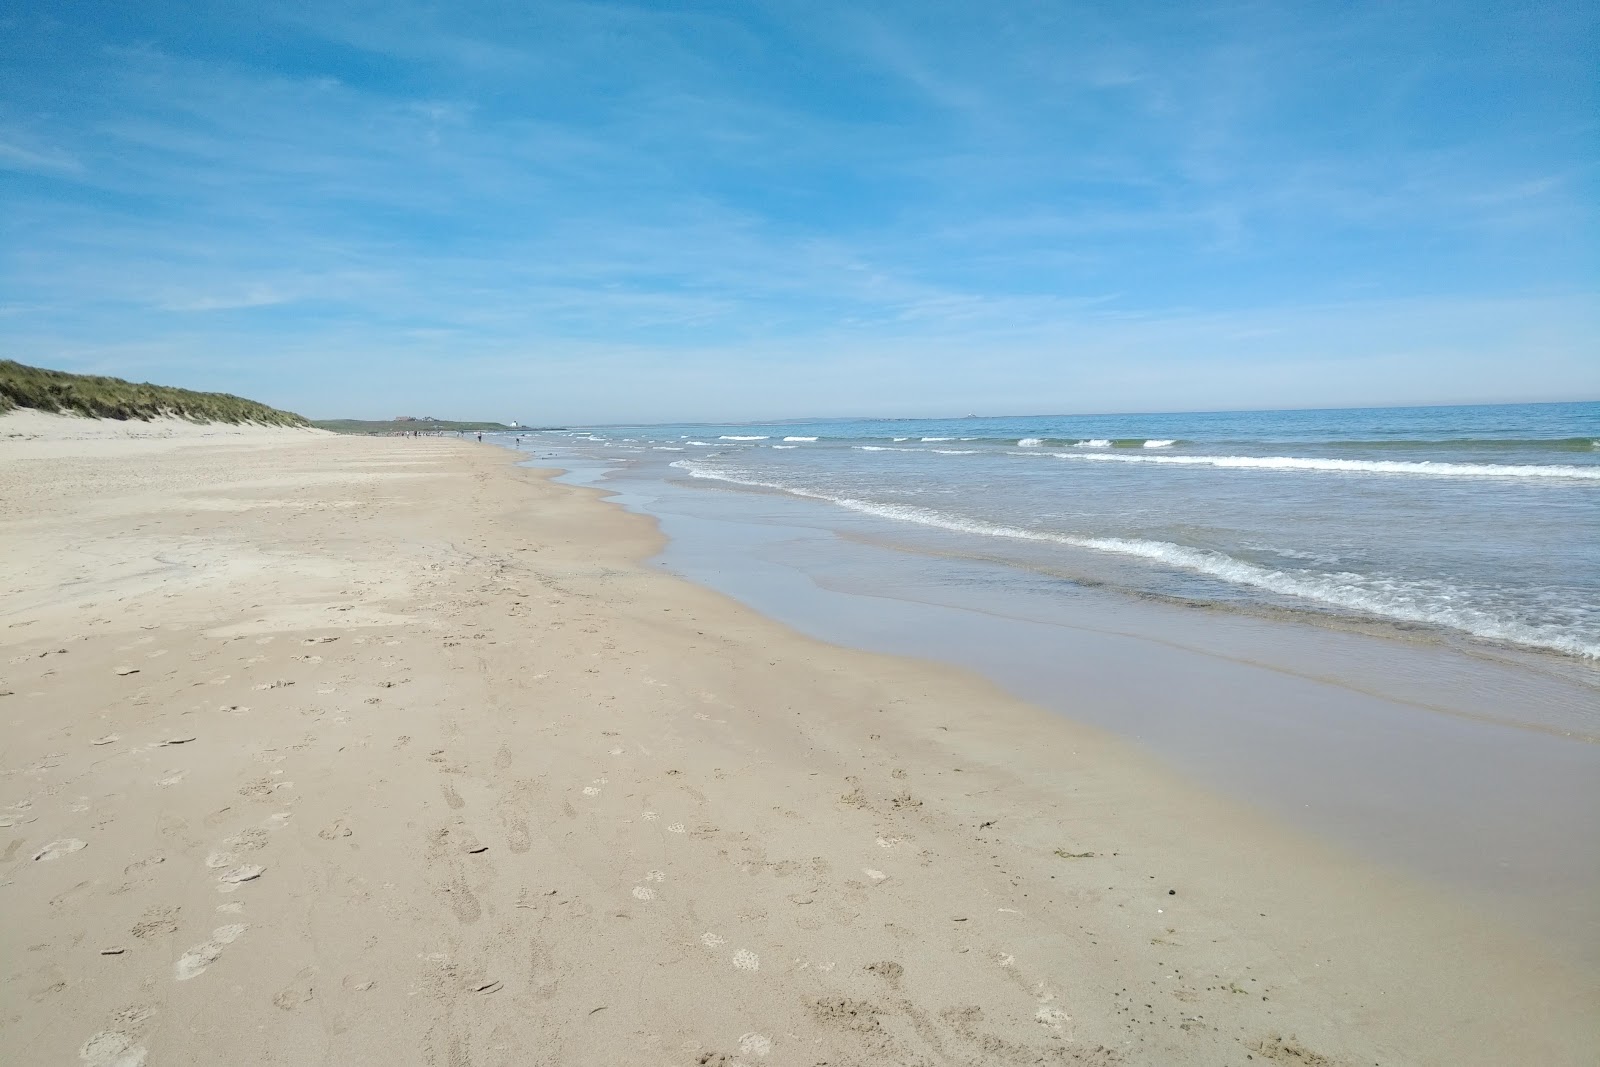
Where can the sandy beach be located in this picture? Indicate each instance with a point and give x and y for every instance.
(355, 750)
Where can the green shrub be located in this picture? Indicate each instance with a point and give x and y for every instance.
(22, 386)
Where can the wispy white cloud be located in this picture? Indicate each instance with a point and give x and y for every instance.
(15, 156)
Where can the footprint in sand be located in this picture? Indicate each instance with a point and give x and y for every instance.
(231, 879)
(754, 1044)
(517, 837)
(745, 960)
(463, 903)
(56, 849)
(193, 963)
(108, 1048)
(643, 892)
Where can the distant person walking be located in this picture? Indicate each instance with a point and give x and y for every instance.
(480, 438)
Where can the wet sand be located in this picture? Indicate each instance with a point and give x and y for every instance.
(351, 750)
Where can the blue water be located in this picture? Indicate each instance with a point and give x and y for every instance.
(1470, 524)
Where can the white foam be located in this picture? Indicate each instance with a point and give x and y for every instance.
(927, 439)
(785, 446)
(799, 438)
(1097, 442)
(1422, 468)
(955, 451)
(1030, 442)
(737, 437)
(1438, 605)
(1159, 444)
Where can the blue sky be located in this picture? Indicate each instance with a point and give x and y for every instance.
(608, 212)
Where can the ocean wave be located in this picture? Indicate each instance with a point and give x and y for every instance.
(785, 446)
(736, 437)
(1424, 468)
(799, 438)
(955, 451)
(925, 440)
(1030, 442)
(1158, 443)
(1463, 444)
(702, 444)
(1390, 598)
(1095, 442)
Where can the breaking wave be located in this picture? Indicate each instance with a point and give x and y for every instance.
(1423, 468)
(1435, 603)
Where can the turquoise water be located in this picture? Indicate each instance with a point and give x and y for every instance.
(1475, 524)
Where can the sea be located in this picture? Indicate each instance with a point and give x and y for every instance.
(1478, 524)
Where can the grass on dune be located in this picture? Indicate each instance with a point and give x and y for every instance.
(22, 386)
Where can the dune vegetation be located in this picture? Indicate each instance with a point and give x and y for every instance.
(93, 396)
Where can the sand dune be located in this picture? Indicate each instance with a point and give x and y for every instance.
(49, 428)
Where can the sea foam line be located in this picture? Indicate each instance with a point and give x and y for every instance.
(1355, 592)
(1425, 468)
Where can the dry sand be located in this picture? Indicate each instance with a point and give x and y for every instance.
(347, 751)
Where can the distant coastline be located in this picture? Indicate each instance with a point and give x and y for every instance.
(386, 426)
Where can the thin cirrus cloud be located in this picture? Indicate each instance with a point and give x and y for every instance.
(612, 211)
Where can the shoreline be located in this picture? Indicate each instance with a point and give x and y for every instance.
(1401, 753)
(856, 856)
